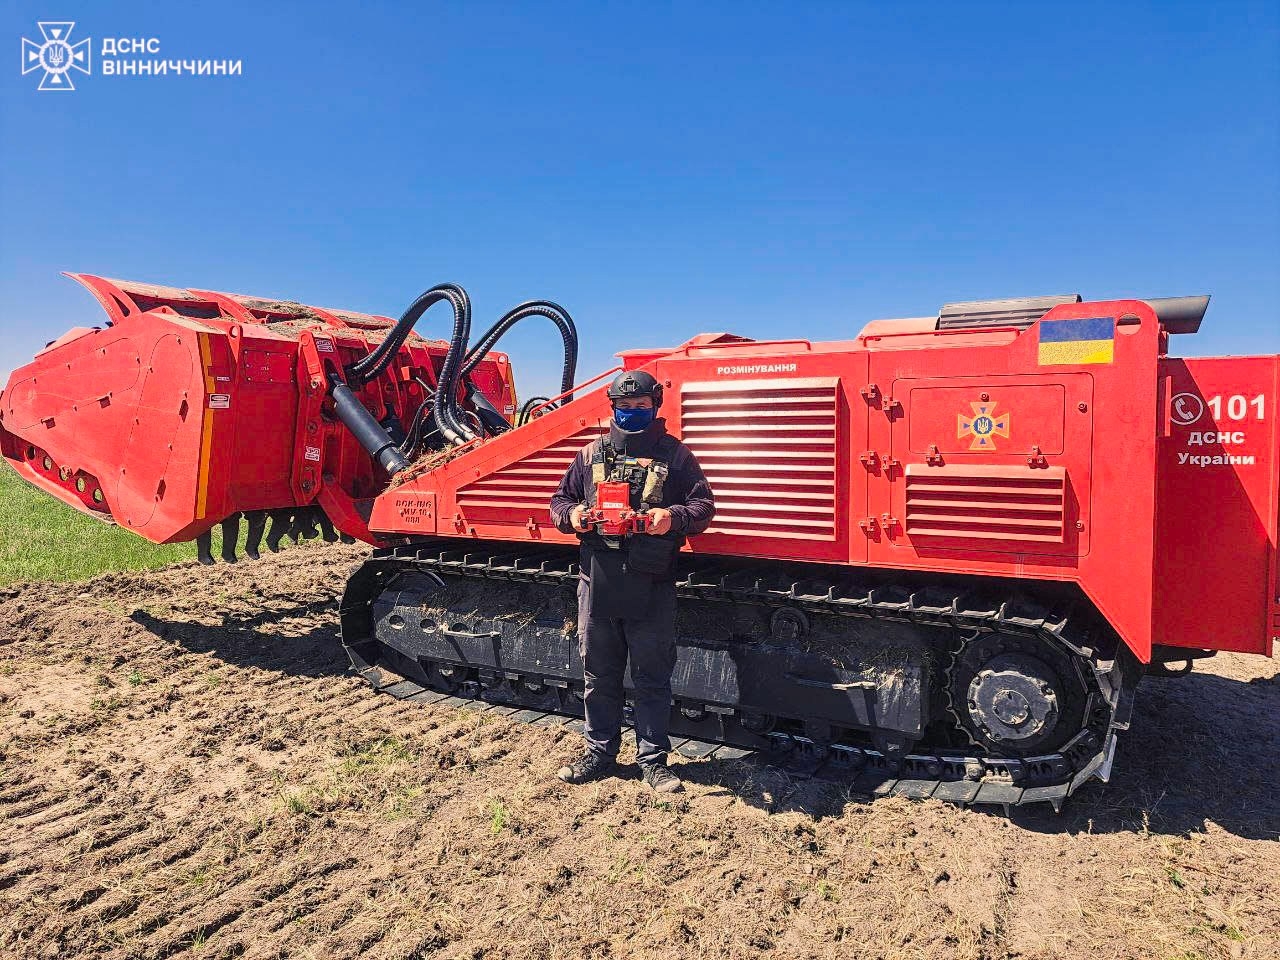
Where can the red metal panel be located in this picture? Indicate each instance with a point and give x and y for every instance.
(1215, 582)
(414, 510)
(142, 480)
(1108, 428)
(816, 385)
(1010, 431)
(268, 366)
(111, 406)
(523, 489)
(501, 489)
(1015, 418)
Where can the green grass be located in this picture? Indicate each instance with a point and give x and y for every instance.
(43, 539)
(497, 816)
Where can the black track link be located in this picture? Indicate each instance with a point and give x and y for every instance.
(945, 775)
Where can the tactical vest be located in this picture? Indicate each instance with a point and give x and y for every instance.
(647, 476)
(623, 569)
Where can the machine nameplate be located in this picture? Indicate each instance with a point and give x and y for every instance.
(416, 509)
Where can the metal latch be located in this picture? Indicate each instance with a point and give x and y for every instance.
(874, 461)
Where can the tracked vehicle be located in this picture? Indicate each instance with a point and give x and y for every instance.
(945, 549)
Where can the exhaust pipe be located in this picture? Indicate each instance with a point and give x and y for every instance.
(1180, 314)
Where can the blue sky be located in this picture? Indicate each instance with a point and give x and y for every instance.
(661, 170)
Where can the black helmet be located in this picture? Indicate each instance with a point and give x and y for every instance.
(635, 383)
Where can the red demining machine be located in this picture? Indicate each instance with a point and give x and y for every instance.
(945, 550)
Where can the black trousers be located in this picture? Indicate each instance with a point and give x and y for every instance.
(648, 641)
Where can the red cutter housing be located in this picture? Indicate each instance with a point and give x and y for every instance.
(191, 405)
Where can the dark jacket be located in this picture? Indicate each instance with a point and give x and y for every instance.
(685, 493)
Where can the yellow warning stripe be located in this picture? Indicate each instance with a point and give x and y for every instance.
(206, 428)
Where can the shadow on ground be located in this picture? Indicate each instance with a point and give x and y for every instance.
(269, 639)
(1201, 747)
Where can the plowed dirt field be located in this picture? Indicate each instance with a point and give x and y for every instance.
(187, 769)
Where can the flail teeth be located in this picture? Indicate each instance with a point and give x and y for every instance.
(303, 523)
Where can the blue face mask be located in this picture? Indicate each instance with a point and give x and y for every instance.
(633, 421)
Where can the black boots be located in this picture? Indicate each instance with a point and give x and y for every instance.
(593, 766)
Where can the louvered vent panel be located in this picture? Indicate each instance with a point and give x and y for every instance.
(527, 484)
(987, 503)
(769, 452)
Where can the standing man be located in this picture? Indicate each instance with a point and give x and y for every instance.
(627, 590)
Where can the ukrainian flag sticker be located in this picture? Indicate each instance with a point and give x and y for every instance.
(1091, 340)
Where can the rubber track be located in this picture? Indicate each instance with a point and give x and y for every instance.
(956, 779)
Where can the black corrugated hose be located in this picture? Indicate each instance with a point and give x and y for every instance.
(372, 366)
(459, 361)
(532, 308)
(445, 405)
(418, 432)
(527, 408)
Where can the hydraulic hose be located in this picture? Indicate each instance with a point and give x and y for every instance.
(527, 408)
(419, 432)
(460, 360)
(372, 366)
(445, 406)
(415, 437)
(532, 308)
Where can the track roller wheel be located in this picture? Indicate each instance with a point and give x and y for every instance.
(446, 677)
(1017, 696)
